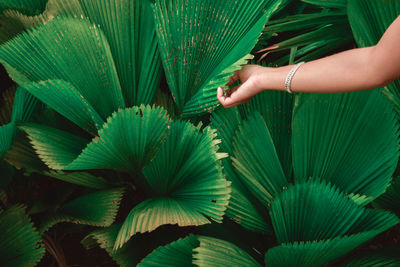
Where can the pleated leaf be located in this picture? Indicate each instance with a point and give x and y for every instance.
(241, 208)
(390, 200)
(199, 251)
(80, 178)
(29, 7)
(177, 254)
(56, 148)
(315, 223)
(216, 252)
(203, 42)
(99, 209)
(276, 109)
(128, 141)
(315, 253)
(318, 211)
(328, 3)
(387, 256)
(20, 243)
(71, 50)
(186, 181)
(77, 109)
(255, 158)
(130, 30)
(349, 139)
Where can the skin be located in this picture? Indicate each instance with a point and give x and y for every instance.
(352, 70)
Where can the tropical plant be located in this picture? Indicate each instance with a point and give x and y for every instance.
(114, 105)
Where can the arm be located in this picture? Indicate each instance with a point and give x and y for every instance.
(352, 70)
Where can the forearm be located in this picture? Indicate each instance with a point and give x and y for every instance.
(350, 70)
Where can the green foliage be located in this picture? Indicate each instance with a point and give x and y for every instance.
(94, 136)
(20, 243)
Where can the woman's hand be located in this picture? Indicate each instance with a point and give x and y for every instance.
(250, 77)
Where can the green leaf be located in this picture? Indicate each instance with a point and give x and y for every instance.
(128, 141)
(276, 109)
(130, 30)
(387, 256)
(20, 243)
(186, 184)
(7, 133)
(99, 209)
(29, 7)
(49, 49)
(338, 136)
(80, 178)
(256, 160)
(216, 252)
(196, 57)
(241, 208)
(315, 222)
(199, 251)
(315, 253)
(56, 148)
(177, 254)
(390, 200)
(328, 3)
(77, 109)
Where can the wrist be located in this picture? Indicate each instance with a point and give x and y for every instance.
(269, 78)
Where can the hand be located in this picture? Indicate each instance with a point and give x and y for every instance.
(249, 76)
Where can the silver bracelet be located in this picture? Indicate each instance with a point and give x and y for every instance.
(290, 75)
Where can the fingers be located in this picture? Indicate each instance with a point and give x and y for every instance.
(229, 100)
(235, 77)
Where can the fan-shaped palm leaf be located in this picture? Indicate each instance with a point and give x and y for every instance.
(196, 54)
(127, 142)
(80, 178)
(98, 209)
(199, 251)
(130, 30)
(241, 206)
(19, 241)
(390, 200)
(330, 133)
(23, 104)
(388, 256)
(29, 7)
(185, 181)
(49, 49)
(256, 160)
(314, 223)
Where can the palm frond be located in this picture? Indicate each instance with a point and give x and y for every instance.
(80, 178)
(199, 251)
(315, 222)
(99, 209)
(329, 136)
(20, 243)
(29, 7)
(195, 56)
(49, 48)
(328, 3)
(256, 160)
(121, 144)
(241, 208)
(130, 30)
(186, 184)
(390, 200)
